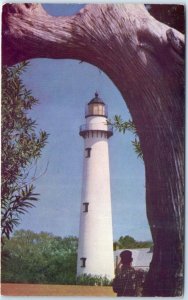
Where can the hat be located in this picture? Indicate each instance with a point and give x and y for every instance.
(126, 256)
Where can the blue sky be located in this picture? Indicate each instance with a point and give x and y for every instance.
(63, 88)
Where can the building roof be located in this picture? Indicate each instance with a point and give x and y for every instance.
(96, 99)
(141, 257)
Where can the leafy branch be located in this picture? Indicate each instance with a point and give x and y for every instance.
(21, 147)
(123, 126)
(18, 205)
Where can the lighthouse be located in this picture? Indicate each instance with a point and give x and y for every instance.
(95, 248)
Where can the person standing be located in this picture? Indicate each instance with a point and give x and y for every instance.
(128, 281)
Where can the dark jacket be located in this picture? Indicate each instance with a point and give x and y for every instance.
(129, 282)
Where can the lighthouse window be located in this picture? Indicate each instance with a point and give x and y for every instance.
(88, 152)
(83, 260)
(101, 110)
(85, 204)
(96, 109)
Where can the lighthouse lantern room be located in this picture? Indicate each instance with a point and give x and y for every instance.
(95, 249)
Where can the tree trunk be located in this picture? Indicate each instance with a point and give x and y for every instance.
(145, 60)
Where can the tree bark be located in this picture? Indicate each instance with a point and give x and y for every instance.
(145, 60)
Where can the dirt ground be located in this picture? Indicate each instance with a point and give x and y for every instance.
(12, 289)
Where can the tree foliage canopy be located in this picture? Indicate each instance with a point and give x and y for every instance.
(128, 242)
(39, 258)
(21, 147)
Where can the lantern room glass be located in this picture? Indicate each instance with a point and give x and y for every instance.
(96, 109)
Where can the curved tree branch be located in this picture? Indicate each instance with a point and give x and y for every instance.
(145, 59)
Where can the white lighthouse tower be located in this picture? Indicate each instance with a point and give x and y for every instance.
(95, 250)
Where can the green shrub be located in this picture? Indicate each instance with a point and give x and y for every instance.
(88, 279)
